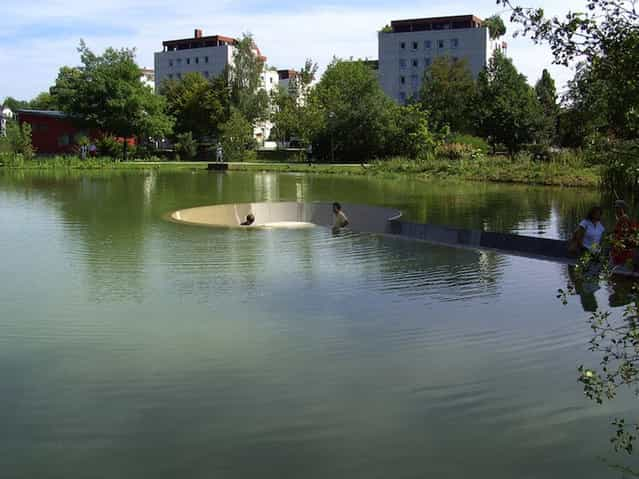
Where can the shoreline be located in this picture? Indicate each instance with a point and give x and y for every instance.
(492, 170)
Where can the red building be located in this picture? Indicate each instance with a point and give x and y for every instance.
(55, 133)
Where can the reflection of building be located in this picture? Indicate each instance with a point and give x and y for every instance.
(411, 46)
(5, 115)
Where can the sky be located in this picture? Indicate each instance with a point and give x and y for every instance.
(37, 37)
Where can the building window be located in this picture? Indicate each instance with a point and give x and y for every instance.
(402, 96)
(206, 59)
(170, 63)
(454, 43)
(402, 63)
(415, 62)
(414, 45)
(402, 80)
(455, 59)
(414, 80)
(428, 44)
(170, 76)
(440, 43)
(427, 62)
(63, 140)
(402, 45)
(206, 74)
(179, 60)
(197, 60)
(188, 61)
(179, 75)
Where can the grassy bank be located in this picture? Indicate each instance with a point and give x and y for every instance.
(492, 168)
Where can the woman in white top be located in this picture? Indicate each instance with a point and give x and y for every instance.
(590, 231)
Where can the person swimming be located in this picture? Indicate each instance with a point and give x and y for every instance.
(250, 219)
(341, 220)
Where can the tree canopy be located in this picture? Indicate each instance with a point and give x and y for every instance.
(106, 93)
(508, 111)
(448, 93)
(198, 105)
(245, 80)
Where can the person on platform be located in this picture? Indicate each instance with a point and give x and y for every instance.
(589, 233)
(341, 220)
(250, 219)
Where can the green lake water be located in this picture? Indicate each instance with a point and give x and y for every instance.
(133, 347)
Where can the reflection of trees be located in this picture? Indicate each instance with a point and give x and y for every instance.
(615, 341)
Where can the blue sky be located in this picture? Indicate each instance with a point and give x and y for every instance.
(39, 36)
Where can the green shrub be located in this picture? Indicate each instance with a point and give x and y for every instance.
(109, 146)
(18, 141)
(186, 146)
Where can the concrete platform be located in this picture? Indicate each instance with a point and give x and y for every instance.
(217, 166)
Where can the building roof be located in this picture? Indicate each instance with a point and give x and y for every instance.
(436, 23)
(44, 113)
(286, 74)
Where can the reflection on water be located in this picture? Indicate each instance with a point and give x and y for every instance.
(135, 347)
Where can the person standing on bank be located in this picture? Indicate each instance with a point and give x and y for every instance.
(341, 220)
(589, 233)
(219, 153)
(309, 153)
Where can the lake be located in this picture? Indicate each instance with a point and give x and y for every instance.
(131, 346)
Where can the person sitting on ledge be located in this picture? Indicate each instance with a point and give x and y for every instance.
(341, 221)
(587, 238)
(624, 238)
(250, 219)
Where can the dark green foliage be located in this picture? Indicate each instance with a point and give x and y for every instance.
(448, 94)
(106, 93)
(496, 27)
(508, 111)
(108, 146)
(18, 140)
(186, 146)
(247, 96)
(237, 137)
(547, 96)
(356, 116)
(198, 105)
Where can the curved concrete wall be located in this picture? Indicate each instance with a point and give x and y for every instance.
(370, 219)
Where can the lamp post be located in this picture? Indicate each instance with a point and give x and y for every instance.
(331, 117)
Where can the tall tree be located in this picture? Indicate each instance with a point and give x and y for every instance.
(508, 111)
(106, 93)
(198, 105)
(356, 114)
(547, 96)
(496, 27)
(605, 35)
(292, 108)
(448, 93)
(245, 78)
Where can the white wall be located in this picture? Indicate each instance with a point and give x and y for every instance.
(473, 44)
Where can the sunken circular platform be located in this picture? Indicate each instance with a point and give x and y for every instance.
(372, 219)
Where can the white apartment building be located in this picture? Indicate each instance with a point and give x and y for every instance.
(147, 77)
(210, 56)
(206, 55)
(412, 45)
